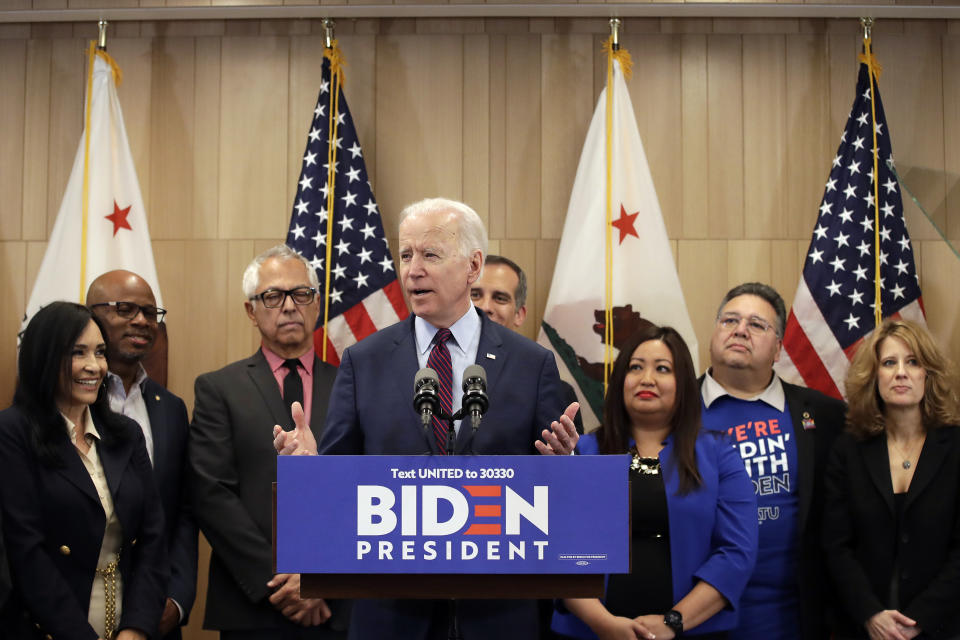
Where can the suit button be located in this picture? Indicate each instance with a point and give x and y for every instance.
(905, 538)
(905, 574)
(133, 542)
(64, 550)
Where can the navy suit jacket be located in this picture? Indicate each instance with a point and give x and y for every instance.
(233, 466)
(171, 430)
(53, 525)
(371, 412)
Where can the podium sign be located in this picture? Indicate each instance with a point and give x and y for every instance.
(453, 514)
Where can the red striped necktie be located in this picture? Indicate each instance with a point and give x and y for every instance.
(439, 361)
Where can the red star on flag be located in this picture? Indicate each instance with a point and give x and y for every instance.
(625, 224)
(119, 219)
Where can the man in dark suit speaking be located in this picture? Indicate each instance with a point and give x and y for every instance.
(126, 305)
(442, 248)
(234, 465)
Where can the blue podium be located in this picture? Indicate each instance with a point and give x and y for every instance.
(452, 526)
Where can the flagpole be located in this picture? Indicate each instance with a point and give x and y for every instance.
(867, 58)
(332, 52)
(85, 203)
(611, 47)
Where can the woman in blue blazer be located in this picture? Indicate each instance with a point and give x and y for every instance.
(66, 462)
(694, 513)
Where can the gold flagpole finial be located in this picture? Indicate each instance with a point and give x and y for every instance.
(328, 33)
(867, 24)
(615, 34)
(102, 37)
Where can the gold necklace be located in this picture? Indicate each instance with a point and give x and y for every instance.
(906, 458)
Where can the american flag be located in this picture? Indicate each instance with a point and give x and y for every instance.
(364, 294)
(834, 307)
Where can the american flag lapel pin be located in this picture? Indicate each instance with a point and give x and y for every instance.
(807, 421)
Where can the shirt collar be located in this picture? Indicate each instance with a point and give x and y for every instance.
(276, 362)
(711, 390)
(463, 330)
(115, 384)
(88, 426)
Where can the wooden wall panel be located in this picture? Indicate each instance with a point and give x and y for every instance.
(13, 262)
(497, 209)
(67, 91)
(694, 172)
(568, 104)
(476, 124)
(765, 142)
(168, 195)
(36, 130)
(951, 133)
(914, 108)
(13, 53)
(808, 134)
(702, 267)
(656, 89)
(523, 116)
(206, 156)
(725, 137)
(136, 101)
(253, 137)
(419, 120)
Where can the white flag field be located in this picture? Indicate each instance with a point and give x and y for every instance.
(644, 281)
(101, 224)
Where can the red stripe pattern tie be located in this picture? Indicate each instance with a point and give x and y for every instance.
(439, 361)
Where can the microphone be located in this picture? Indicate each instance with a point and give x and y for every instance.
(425, 400)
(475, 398)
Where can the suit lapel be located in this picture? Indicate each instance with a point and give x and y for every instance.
(878, 467)
(806, 451)
(404, 359)
(491, 356)
(934, 452)
(262, 378)
(74, 471)
(157, 412)
(114, 456)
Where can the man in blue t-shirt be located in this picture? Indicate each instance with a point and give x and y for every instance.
(783, 433)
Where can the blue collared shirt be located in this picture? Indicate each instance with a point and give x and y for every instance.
(462, 346)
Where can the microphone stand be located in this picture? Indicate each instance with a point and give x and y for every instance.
(453, 626)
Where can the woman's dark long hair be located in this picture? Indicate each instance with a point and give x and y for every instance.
(45, 361)
(614, 435)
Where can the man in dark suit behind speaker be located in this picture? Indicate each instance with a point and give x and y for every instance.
(126, 305)
(234, 465)
(442, 246)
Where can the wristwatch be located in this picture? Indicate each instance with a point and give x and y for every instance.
(674, 620)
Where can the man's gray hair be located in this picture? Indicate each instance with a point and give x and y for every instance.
(251, 275)
(764, 292)
(520, 295)
(471, 233)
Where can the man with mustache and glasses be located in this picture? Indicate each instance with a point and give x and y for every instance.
(783, 434)
(234, 465)
(126, 305)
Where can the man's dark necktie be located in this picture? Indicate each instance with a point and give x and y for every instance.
(439, 361)
(292, 386)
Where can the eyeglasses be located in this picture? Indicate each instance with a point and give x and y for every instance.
(755, 324)
(273, 298)
(130, 310)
